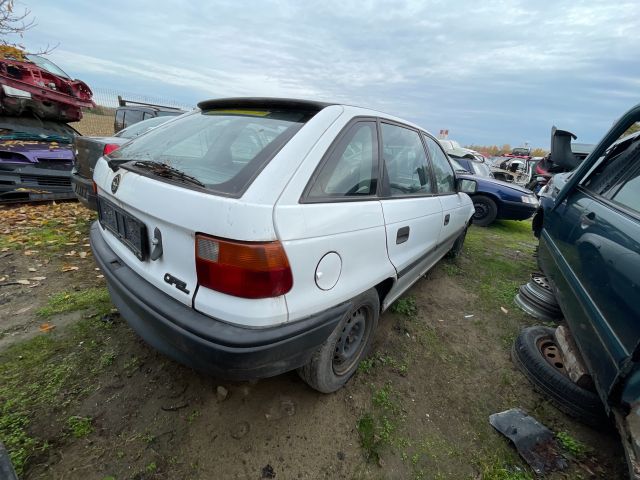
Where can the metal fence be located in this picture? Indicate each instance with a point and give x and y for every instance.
(98, 121)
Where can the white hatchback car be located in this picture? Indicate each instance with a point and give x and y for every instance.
(258, 235)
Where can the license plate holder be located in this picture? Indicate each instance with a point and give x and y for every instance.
(124, 226)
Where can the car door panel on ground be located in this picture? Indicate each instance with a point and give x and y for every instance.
(412, 211)
(600, 253)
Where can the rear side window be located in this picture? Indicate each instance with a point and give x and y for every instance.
(445, 179)
(351, 169)
(119, 121)
(224, 149)
(405, 161)
(132, 116)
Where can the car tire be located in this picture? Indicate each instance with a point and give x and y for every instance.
(337, 359)
(486, 210)
(575, 401)
(456, 249)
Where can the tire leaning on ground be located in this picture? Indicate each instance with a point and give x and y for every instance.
(337, 359)
(580, 403)
(486, 210)
(456, 249)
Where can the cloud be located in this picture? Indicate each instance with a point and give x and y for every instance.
(490, 72)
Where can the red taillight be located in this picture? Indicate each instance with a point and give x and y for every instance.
(243, 269)
(110, 147)
(95, 187)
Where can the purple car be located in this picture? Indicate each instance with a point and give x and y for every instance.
(35, 159)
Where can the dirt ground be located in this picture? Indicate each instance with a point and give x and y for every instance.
(82, 397)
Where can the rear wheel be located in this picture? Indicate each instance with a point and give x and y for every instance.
(486, 210)
(333, 364)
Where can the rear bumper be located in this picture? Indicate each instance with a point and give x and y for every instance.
(30, 183)
(516, 210)
(83, 189)
(205, 343)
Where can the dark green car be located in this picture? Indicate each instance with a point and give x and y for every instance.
(589, 230)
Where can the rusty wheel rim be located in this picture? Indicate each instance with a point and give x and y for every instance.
(552, 354)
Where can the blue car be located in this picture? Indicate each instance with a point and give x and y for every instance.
(494, 199)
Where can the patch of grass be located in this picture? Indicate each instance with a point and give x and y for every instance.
(380, 359)
(496, 472)
(151, 468)
(193, 416)
(451, 268)
(571, 445)
(107, 359)
(367, 365)
(79, 426)
(375, 433)
(46, 374)
(382, 398)
(406, 307)
(97, 299)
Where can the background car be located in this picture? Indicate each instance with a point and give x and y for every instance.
(89, 149)
(494, 199)
(256, 236)
(130, 112)
(589, 231)
(35, 159)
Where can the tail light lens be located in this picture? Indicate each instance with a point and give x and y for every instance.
(94, 187)
(243, 269)
(109, 147)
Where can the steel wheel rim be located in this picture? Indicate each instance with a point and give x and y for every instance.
(552, 354)
(481, 210)
(351, 341)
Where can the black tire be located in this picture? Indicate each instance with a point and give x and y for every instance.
(332, 365)
(580, 403)
(486, 210)
(456, 249)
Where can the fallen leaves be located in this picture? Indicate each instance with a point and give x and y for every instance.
(46, 327)
(23, 282)
(70, 268)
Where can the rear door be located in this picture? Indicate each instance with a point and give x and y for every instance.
(455, 212)
(412, 210)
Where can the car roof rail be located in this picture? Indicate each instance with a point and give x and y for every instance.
(124, 103)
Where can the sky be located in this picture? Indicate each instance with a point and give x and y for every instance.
(491, 72)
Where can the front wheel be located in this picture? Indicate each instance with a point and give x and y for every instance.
(337, 359)
(456, 249)
(486, 210)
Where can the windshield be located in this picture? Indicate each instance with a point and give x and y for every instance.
(223, 149)
(481, 169)
(26, 128)
(48, 65)
(139, 128)
(456, 166)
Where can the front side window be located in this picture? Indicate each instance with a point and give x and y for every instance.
(351, 170)
(222, 149)
(405, 161)
(445, 179)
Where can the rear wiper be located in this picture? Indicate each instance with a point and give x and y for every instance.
(167, 171)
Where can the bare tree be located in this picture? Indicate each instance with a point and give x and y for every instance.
(13, 23)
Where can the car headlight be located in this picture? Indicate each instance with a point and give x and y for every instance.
(529, 199)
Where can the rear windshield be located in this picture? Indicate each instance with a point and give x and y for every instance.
(223, 149)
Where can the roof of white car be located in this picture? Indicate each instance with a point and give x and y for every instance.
(294, 104)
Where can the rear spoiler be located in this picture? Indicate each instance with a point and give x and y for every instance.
(263, 102)
(561, 153)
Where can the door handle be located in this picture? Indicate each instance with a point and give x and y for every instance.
(403, 235)
(587, 219)
(447, 217)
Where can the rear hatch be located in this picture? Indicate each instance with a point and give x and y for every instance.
(185, 178)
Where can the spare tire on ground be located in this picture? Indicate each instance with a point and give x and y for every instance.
(537, 355)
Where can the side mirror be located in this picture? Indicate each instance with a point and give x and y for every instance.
(466, 185)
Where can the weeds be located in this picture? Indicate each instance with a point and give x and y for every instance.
(571, 445)
(406, 307)
(79, 426)
(97, 299)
